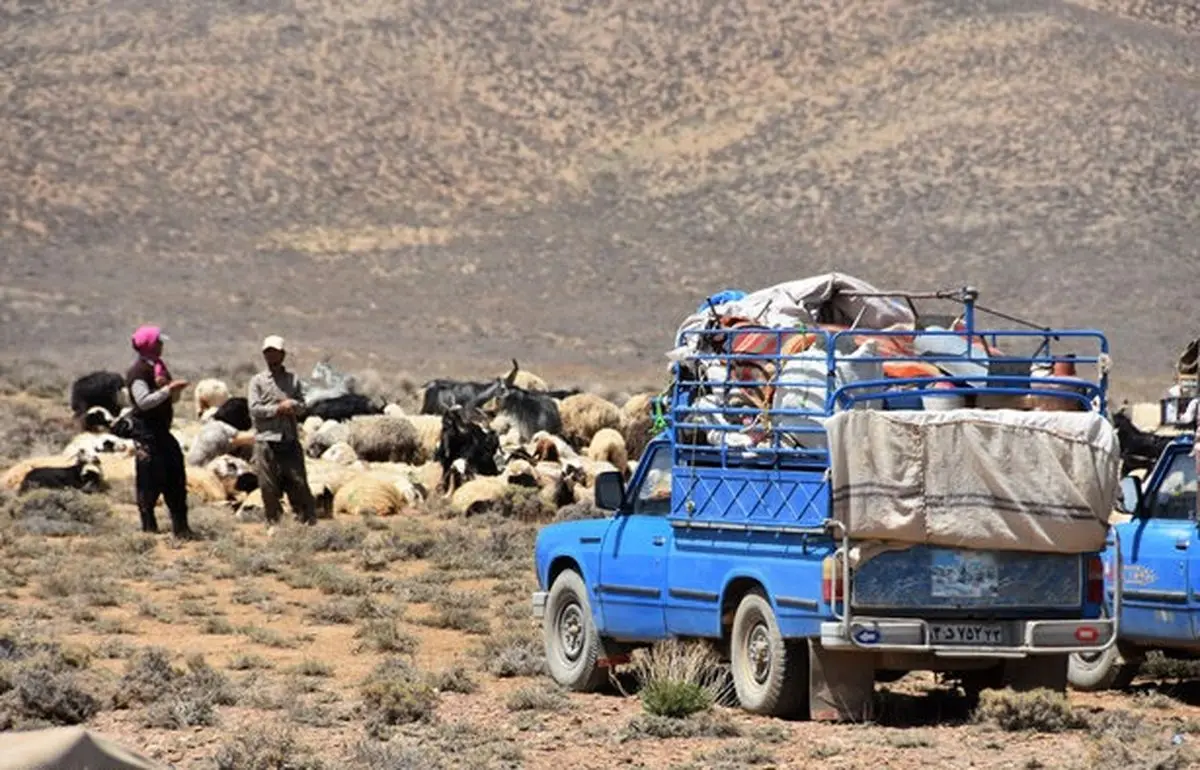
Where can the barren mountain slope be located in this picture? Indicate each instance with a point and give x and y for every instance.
(449, 184)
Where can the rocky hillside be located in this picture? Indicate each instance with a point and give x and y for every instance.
(438, 187)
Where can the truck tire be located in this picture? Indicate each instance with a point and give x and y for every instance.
(1106, 670)
(769, 672)
(570, 637)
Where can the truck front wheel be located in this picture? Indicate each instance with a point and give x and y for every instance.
(570, 637)
(769, 673)
(1101, 670)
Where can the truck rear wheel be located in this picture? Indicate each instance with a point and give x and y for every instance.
(769, 672)
(1100, 670)
(570, 637)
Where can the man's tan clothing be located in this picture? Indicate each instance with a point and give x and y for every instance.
(280, 470)
(278, 456)
(267, 390)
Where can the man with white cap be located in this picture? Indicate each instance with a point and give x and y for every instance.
(276, 400)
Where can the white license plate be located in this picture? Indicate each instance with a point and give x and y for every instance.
(965, 633)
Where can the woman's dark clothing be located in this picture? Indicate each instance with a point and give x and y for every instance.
(160, 468)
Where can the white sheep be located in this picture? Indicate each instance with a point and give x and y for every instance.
(429, 432)
(209, 394)
(583, 414)
(98, 443)
(608, 445)
(340, 453)
(379, 438)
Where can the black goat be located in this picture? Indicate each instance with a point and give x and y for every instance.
(99, 388)
(1138, 448)
(463, 439)
(235, 412)
(344, 407)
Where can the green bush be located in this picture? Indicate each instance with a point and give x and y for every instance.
(678, 678)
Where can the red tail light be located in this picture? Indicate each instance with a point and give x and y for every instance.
(1095, 580)
(830, 569)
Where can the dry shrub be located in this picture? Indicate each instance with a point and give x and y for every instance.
(38, 685)
(679, 678)
(410, 540)
(737, 755)
(454, 679)
(459, 610)
(443, 747)
(496, 551)
(1158, 666)
(543, 696)
(175, 699)
(265, 748)
(513, 654)
(1040, 710)
(59, 512)
(384, 635)
(1121, 740)
(706, 724)
(28, 429)
(396, 693)
(585, 509)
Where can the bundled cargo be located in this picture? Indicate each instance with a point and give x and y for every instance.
(769, 367)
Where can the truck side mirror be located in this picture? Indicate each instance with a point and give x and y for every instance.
(610, 490)
(1131, 494)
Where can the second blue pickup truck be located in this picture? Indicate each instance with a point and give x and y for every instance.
(1160, 607)
(846, 504)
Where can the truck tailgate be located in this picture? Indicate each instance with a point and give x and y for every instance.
(933, 578)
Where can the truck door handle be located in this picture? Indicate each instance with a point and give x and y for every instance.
(1182, 543)
(658, 540)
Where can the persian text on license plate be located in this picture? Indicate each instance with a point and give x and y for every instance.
(965, 633)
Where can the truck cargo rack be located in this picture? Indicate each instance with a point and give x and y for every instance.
(729, 404)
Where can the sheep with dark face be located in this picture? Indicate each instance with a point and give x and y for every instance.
(99, 388)
(84, 475)
(98, 419)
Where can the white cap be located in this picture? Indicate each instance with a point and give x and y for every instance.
(274, 341)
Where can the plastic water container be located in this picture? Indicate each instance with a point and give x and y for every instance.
(940, 403)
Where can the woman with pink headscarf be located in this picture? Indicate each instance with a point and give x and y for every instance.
(160, 468)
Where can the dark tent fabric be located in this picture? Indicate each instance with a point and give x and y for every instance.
(68, 748)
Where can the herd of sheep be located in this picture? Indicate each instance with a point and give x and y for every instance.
(366, 456)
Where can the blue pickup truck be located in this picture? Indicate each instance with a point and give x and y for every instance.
(1161, 601)
(941, 507)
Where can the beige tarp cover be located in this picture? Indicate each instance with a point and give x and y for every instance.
(989, 479)
(67, 748)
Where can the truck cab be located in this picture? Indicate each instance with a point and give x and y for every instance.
(849, 528)
(1160, 608)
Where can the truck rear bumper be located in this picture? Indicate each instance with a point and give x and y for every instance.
(997, 639)
(539, 603)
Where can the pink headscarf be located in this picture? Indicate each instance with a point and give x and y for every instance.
(143, 342)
